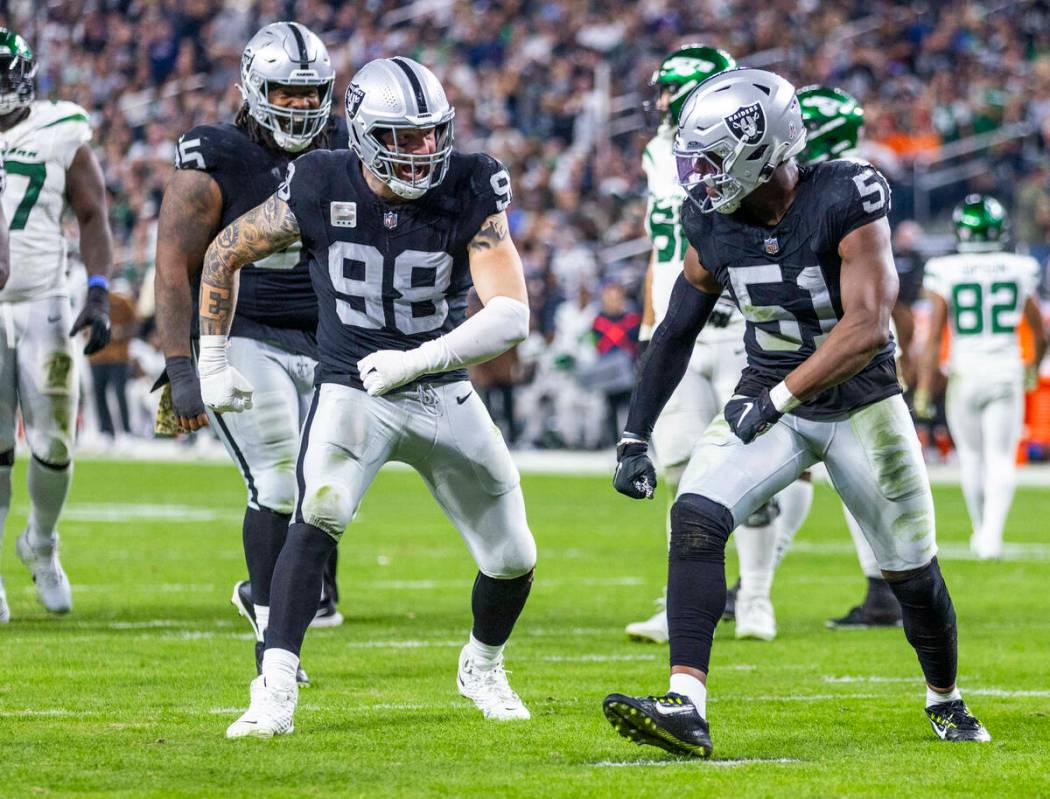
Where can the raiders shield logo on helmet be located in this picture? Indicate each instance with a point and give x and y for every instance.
(747, 123)
(354, 97)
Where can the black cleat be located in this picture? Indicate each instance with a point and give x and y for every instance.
(729, 614)
(952, 721)
(670, 722)
(242, 600)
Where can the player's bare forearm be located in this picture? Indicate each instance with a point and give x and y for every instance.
(904, 322)
(648, 312)
(189, 218)
(1034, 317)
(495, 266)
(931, 353)
(5, 251)
(869, 291)
(264, 230)
(86, 191)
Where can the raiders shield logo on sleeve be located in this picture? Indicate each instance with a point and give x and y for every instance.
(747, 123)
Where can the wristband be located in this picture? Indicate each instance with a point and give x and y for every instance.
(98, 281)
(782, 398)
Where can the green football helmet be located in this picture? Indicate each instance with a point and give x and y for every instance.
(980, 223)
(684, 70)
(833, 121)
(17, 70)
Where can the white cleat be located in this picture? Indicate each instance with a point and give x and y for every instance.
(653, 629)
(5, 609)
(986, 549)
(755, 618)
(489, 690)
(52, 585)
(270, 712)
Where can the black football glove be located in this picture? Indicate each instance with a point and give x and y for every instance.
(96, 316)
(722, 313)
(635, 475)
(185, 388)
(750, 417)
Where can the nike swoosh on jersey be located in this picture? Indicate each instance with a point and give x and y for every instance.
(464, 398)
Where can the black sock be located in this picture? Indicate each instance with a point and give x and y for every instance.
(296, 585)
(497, 605)
(329, 588)
(696, 577)
(263, 533)
(929, 623)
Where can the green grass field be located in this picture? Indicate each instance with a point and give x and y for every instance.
(130, 694)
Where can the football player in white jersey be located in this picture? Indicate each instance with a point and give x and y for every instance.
(50, 166)
(718, 358)
(981, 293)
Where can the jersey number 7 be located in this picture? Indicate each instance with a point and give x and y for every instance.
(37, 174)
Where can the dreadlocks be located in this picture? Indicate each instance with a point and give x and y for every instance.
(261, 136)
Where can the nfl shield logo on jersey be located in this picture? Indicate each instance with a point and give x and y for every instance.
(772, 246)
(747, 123)
(390, 220)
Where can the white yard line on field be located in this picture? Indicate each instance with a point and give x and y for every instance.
(694, 763)
(949, 551)
(134, 512)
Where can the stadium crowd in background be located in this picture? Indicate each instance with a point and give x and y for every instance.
(554, 89)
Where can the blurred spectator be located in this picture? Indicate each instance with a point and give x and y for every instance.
(615, 334)
(110, 365)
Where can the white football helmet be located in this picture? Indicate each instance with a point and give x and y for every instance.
(735, 129)
(389, 94)
(287, 54)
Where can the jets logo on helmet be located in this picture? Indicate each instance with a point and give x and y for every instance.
(736, 128)
(681, 72)
(287, 54)
(17, 71)
(748, 124)
(833, 120)
(389, 95)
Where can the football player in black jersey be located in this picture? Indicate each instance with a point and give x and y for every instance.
(805, 252)
(398, 230)
(222, 171)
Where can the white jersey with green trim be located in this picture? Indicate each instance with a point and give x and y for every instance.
(986, 294)
(663, 223)
(40, 149)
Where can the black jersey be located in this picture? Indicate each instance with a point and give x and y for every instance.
(275, 300)
(388, 275)
(785, 280)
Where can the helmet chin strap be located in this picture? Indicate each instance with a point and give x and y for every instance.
(292, 144)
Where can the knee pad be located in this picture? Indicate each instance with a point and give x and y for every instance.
(52, 450)
(699, 528)
(515, 558)
(328, 507)
(275, 490)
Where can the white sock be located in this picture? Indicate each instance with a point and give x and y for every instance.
(868, 564)
(934, 698)
(47, 494)
(755, 546)
(278, 668)
(688, 686)
(484, 656)
(262, 618)
(795, 502)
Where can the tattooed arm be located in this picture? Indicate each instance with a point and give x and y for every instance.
(266, 229)
(504, 321)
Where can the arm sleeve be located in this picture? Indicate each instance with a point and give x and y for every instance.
(667, 357)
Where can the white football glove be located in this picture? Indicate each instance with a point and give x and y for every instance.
(223, 388)
(385, 370)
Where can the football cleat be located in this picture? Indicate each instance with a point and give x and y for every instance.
(755, 618)
(270, 712)
(952, 721)
(729, 614)
(52, 585)
(5, 609)
(489, 690)
(867, 615)
(653, 629)
(242, 600)
(670, 722)
(327, 614)
(986, 549)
